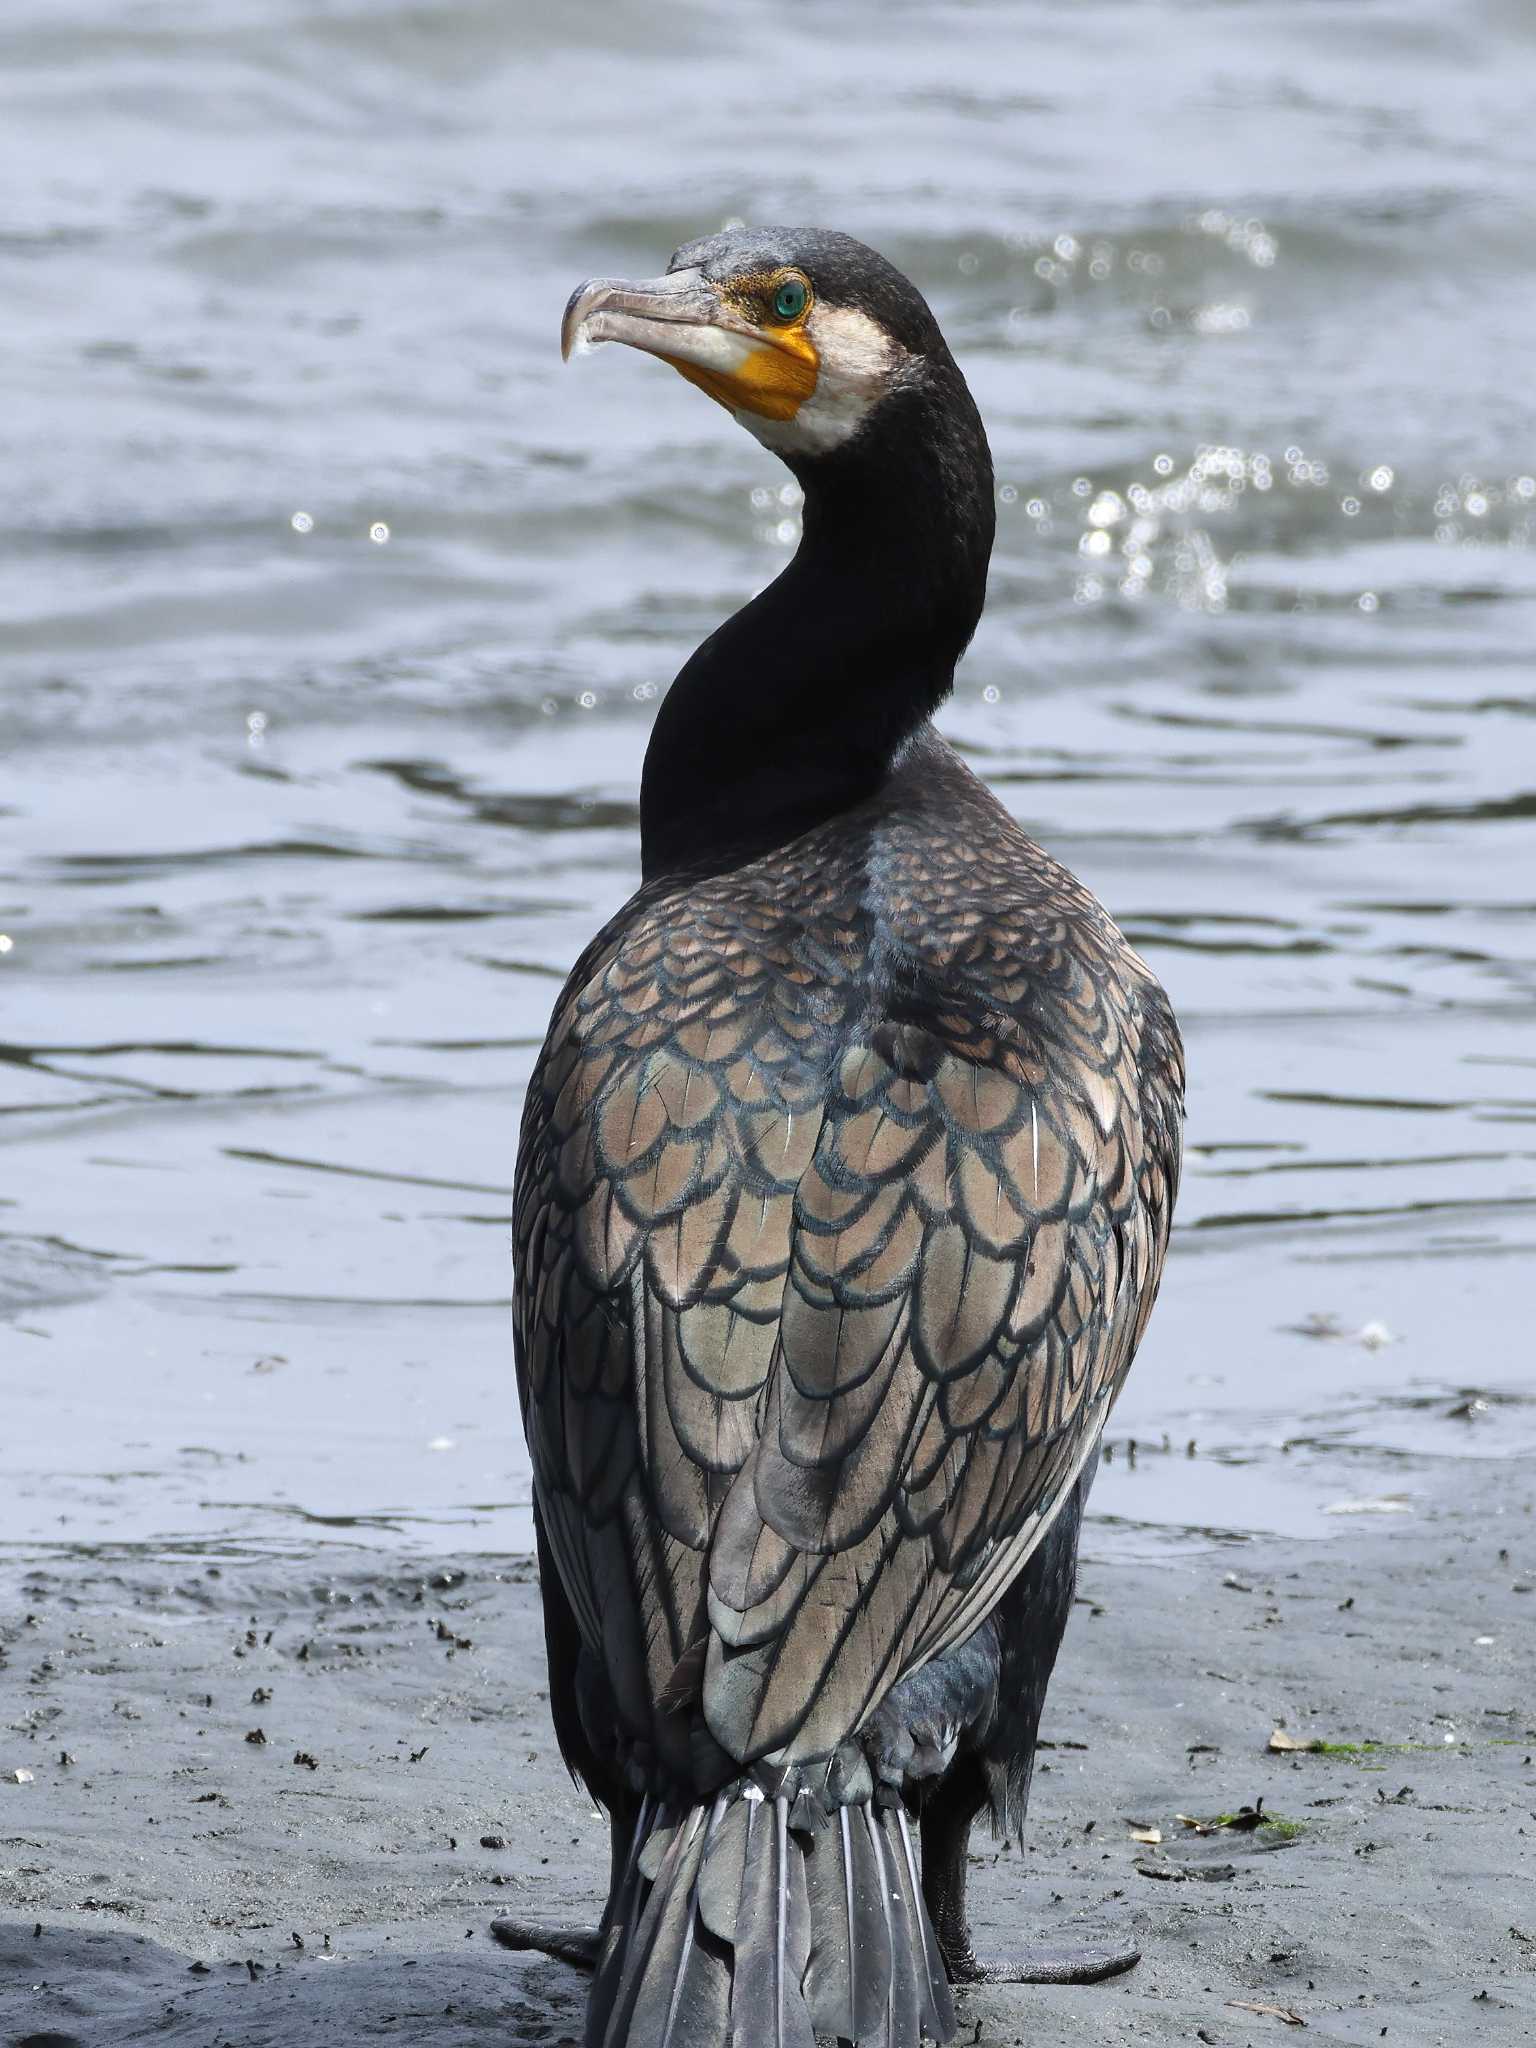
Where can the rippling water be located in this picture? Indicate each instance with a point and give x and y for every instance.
(334, 611)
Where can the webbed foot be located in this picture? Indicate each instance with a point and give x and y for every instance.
(577, 1946)
(1045, 1962)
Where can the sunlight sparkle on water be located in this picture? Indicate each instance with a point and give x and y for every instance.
(1499, 510)
(1061, 264)
(1220, 318)
(1159, 526)
(1248, 238)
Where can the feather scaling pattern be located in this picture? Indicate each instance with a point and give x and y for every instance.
(843, 1194)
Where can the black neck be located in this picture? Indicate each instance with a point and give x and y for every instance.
(794, 709)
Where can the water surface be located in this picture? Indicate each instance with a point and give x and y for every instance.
(334, 613)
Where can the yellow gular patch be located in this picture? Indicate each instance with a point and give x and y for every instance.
(773, 379)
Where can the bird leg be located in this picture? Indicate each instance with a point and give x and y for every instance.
(579, 1946)
(946, 1831)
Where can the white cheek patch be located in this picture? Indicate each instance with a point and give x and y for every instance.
(858, 365)
(854, 349)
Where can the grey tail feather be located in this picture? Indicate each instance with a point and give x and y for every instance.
(730, 1928)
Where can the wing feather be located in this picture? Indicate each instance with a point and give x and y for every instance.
(829, 1269)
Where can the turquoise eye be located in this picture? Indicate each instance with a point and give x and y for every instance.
(789, 300)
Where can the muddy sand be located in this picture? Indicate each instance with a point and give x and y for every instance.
(276, 1802)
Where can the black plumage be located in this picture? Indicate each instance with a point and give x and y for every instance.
(845, 1182)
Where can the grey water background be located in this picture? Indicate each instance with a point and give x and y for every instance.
(334, 613)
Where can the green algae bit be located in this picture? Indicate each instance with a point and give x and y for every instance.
(1281, 1744)
(1277, 1829)
(1247, 1820)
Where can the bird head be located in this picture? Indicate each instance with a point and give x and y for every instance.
(800, 334)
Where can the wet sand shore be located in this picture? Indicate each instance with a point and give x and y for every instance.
(275, 1803)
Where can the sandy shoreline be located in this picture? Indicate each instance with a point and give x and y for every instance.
(159, 1885)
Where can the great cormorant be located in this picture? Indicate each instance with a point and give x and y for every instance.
(843, 1192)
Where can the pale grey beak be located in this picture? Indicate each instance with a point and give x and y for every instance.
(696, 328)
(640, 313)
